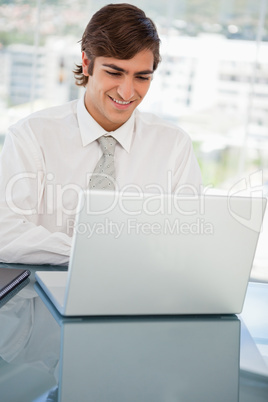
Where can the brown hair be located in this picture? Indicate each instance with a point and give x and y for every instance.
(119, 31)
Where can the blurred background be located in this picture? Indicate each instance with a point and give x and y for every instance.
(212, 81)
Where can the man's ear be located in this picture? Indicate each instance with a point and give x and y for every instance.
(85, 64)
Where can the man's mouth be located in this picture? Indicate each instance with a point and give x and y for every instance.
(119, 102)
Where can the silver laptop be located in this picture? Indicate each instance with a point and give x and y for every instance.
(143, 254)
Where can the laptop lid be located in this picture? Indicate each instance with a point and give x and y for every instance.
(145, 254)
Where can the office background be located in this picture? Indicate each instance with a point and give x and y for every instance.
(213, 79)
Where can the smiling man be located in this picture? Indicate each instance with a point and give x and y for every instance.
(99, 141)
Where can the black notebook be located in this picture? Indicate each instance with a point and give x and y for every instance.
(10, 279)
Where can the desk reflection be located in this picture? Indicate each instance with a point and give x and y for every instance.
(149, 359)
(137, 359)
(45, 357)
(29, 348)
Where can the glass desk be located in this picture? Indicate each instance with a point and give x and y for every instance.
(45, 357)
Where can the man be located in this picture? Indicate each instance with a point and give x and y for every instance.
(51, 155)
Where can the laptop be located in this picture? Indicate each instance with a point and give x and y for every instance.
(157, 254)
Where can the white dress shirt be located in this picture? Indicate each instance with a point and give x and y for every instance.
(48, 158)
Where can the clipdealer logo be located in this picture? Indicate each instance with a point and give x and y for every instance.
(47, 197)
(250, 187)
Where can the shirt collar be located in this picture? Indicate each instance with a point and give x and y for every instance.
(90, 130)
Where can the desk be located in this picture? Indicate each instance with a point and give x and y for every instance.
(45, 357)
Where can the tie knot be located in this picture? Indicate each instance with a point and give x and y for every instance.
(107, 144)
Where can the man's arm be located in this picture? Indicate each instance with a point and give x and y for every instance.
(187, 176)
(22, 238)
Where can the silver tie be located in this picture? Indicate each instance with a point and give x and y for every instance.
(103, 176)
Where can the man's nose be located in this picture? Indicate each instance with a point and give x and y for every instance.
(126, 89)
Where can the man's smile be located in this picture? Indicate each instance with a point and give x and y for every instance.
(120, 102)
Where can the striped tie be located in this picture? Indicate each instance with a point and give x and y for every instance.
(103, 176)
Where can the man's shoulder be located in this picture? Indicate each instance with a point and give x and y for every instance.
(52, 113)
(157, 125)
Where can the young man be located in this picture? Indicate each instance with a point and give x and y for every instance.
(51, 155)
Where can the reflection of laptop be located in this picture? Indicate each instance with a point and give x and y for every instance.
(151, 358)
(157, 254)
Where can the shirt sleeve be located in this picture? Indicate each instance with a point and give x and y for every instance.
(22, 238)
(187, 176)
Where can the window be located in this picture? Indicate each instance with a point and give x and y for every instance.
(213, 79)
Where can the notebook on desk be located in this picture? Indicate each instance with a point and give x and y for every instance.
(136, 254)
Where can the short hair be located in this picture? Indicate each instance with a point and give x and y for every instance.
(119, 31)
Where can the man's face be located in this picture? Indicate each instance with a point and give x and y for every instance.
(117, 87)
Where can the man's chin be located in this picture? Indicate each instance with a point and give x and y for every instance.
(121, 117)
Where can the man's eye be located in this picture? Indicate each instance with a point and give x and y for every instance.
(143, 78)
(111, 73)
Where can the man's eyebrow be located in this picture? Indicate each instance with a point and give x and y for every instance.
(114, 67)
(145, 72)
